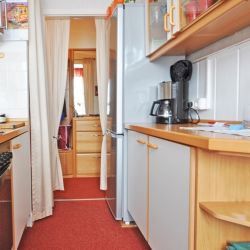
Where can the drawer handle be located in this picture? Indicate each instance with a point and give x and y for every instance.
(96, 125)
(153, 146)
(95, 135)
(172, 15)
(166, 29)
(141, 141)
(96, 157)
(17, 146)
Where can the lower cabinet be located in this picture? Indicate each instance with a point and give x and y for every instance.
(158, 190)
(21, 185)
(168, 194)
(137, 180)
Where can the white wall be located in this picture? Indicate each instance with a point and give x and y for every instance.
(227, 74)
(75, 7)
(13, 79)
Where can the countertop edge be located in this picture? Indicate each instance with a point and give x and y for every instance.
(203, 142)
(12, 133)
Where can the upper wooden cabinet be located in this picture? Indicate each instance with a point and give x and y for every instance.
(188, 31)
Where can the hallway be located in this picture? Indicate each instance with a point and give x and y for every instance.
(81, 222)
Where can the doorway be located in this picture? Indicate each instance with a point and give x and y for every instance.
(80, 131)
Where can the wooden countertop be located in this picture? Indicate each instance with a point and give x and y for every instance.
(200, 139)
(9, 134)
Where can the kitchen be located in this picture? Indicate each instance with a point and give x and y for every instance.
(217, 65)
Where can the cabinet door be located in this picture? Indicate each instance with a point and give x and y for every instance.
(174, 9)
(158, 27)
(137, 179)
(168, 194)
(21, 179)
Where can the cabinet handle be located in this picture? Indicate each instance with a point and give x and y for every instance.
(17, 146)
(141, 141)
(96, 157)
(166, 29)
(153, 146)
(171, 19)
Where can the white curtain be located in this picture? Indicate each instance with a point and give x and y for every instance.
(42, 193)
(57, 42)
(102, 69)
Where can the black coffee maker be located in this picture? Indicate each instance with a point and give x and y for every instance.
(172, 103)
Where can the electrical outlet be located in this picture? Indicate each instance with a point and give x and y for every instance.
(200, 104)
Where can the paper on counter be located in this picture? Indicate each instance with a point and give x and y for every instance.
(222, 130)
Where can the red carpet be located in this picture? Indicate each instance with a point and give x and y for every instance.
(80, 188)
(86, 225)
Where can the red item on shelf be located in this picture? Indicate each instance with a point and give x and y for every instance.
(204, 4)
(192, 10)
(63, 137)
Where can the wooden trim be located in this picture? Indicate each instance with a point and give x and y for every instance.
(233, 154)
(74, 147)
(192, 196)
(148, 197)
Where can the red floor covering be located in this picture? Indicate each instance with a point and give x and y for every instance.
(80, 188)
(86, 225)
(81, 225)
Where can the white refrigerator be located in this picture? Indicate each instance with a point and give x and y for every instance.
(131, 91)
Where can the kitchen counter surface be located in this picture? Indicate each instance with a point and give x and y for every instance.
(8, 134)
(200, 139)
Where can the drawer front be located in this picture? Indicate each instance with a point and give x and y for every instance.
(92, 125)
(88, 142)
(89, 164)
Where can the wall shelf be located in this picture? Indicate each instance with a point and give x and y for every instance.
(222, 19)
(234, 212)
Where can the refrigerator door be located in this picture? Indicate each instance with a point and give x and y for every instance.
(114, 168)
(115, 85)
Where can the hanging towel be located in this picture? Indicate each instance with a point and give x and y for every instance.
(239, 246)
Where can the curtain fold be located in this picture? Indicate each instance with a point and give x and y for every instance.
(42, 193)
(102, 70)
(89, 87)
(57, 42)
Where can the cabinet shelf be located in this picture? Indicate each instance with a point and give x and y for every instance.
(222, 19)
(234, 212)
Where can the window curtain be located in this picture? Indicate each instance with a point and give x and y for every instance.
(89, 85)
(102, 70)
(57, 42)
(42, 193)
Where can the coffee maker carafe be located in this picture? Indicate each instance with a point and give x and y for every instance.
(162, 109)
